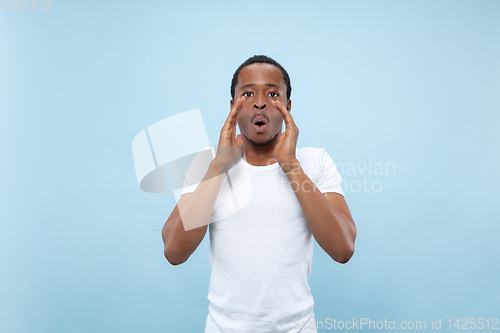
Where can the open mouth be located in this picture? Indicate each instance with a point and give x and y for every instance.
(260, 123)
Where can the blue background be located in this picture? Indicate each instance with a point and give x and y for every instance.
(413, 83)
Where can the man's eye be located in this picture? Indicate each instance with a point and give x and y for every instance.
(247, 94)
(273, 94)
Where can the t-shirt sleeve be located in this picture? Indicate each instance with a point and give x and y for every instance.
(328, 178)
(196, 171)
(190, 188)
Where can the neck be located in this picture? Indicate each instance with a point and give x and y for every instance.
(257, 155)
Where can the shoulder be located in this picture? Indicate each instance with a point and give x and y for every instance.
(319, 166)
(310, 154)
(311, 160)
(309, 150)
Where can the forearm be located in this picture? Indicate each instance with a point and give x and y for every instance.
(196, 212)
(187, 225)
(333, 230)
(179, 244)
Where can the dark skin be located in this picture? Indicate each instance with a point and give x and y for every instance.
(260, 86)
(261, 92)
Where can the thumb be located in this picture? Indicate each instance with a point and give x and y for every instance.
(282, 135)
(239, 140)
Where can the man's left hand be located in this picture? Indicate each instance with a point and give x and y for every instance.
(284, 152)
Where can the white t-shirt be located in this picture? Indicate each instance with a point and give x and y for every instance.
(261, 249)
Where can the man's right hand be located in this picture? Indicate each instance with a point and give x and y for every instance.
(182, 234)
(229, 149)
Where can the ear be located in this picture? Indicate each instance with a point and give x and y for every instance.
(289, 105)
(231, 103)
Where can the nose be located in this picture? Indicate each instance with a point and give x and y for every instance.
(259, 102)
(260, 105)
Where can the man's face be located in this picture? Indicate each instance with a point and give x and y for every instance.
(259, 121)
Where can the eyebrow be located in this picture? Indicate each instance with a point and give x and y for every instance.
(253, 84)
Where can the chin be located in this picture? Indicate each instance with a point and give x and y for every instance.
(261, 143)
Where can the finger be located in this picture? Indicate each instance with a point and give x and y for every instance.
(237, 106)
(233, 115)
(239, 140)
(287, 116)
(284, 113)
(228, 131)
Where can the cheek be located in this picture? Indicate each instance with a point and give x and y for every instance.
(242, 122)
(277, 119)
(243, 118)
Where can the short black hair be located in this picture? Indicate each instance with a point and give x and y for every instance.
(261, 59)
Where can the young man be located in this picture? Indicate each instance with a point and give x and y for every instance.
(261, 254)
